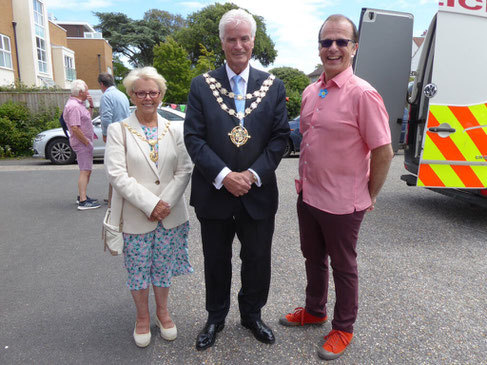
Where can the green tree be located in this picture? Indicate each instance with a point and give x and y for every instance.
(206, 62)
(293, 104)
(171, 61)
(295, 82)
(135, 39)
(119, 70)
(161, 19)
(202, 29)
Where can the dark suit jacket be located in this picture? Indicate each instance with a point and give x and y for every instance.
(206, 129)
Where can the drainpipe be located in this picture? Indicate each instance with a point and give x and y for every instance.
(99, 63)
(16, 50)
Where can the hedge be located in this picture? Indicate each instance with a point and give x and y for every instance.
(19, 126)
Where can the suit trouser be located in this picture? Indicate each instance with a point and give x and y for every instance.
(256, 239)
(326, 235)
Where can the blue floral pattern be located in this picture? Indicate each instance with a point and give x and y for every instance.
(157, 256)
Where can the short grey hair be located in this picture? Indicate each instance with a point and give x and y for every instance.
(146, 73)
(77, 86)
(106, 79)
(236, 16)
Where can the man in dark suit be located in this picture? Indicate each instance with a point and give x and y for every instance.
(235, 131)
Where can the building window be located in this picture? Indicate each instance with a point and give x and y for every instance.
(68, 66)
(41, 54)
(5, 52)
(93, 35)
(40, 35)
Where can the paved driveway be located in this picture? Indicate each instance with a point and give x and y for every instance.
(422, 262)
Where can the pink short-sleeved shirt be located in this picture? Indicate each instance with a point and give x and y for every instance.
(76, 114)
(339, 131)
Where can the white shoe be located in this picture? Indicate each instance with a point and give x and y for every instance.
(141, 339)
(169, 334)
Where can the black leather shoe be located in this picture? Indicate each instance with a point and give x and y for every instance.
(206, 338)
(260, 330)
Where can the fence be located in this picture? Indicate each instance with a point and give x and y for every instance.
(36, 101)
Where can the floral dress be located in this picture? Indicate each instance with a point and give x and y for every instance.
(155, 257)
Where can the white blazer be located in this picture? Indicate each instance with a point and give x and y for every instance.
(138, 184)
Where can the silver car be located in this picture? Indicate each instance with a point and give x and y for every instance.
(54, 145)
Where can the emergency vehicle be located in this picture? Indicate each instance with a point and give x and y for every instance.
(446, 144)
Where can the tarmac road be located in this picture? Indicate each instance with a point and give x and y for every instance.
(422, 262)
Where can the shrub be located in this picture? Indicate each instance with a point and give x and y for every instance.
(18, 127)
(18, 113)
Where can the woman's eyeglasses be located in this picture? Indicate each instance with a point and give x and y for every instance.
(143, 94)
(326, 43)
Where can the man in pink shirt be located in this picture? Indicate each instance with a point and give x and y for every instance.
(345, 156)
(78, 120)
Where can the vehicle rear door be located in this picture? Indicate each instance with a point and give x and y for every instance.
(454, 150)
(384, 60)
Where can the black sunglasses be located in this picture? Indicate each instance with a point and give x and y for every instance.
(326, 43)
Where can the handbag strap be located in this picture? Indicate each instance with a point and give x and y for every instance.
(110, 188)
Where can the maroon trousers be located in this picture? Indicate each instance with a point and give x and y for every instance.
(326, 235)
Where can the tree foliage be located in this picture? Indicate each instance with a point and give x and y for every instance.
(195, 48)
(295, 82)
(171, 61)
(293, 78)
(19, 126)
(202, 29)
(206, 62)
(119, 70)
(135, 39)
(293, 104)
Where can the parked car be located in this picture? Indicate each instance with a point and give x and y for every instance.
(54, 145)
(295, 138)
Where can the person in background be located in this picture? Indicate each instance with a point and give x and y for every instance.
(114, 105)
(236, 130)
(345, 156)
(78, 120)
(149, 170)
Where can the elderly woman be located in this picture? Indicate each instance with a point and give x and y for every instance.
(149, 169)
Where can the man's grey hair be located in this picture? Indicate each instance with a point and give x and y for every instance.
(106, 79)
(146, 73)
(77, 86)
(235, 17)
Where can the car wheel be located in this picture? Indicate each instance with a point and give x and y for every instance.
(289, 149)
(59, 152)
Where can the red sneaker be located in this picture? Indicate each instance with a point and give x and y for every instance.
(300, 317)
(336, 342)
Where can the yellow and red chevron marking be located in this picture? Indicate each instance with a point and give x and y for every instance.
(461, 147)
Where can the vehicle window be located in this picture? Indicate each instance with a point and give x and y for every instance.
(169, 115)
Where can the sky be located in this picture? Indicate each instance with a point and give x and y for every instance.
(292, 25)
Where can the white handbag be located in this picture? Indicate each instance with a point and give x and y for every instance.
(112, 234)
